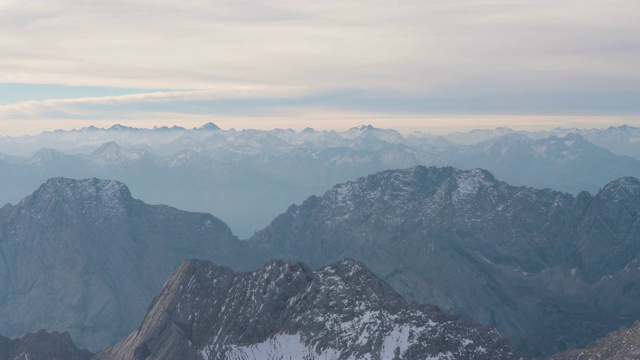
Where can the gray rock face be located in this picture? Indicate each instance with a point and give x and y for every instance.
(551, 271)
(42, 346)
(286, 310)
(622, 344)
(85, 257)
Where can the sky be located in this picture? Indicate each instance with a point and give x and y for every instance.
(431, 65)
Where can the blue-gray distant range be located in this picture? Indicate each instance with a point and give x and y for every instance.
(248, 177)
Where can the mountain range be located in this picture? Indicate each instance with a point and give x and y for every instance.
(569, 163)
(244, 177)
(550, 270)
(249, 177)
(620, 140)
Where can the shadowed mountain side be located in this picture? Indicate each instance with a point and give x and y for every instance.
(83, 256)
(42, 346)
(622, 344)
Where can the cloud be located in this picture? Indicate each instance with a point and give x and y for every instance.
(75, 105)
(418, 47)
(298, 107)
(261, 60)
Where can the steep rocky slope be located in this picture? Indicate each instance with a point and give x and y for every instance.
(622, 344)
(549, 270)
(287, 311)
(42, 346)
(85, 257)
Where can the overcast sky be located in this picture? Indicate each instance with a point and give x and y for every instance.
(435, 65)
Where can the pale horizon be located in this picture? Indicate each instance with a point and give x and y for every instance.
(433, 66)
(405, 127)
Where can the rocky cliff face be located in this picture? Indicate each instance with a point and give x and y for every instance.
(286, 310)
(85, 257)
(622, 344)
(42, 346)
(549, 270)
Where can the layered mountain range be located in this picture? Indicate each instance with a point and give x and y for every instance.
(287, 311)
(569, 163)
(244, 177)
(550, 270)
(85, 257)
(248, 177)
(620, 140)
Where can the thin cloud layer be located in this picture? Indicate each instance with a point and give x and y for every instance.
(479, 56)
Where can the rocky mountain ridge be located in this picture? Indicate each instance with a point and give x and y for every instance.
(568, 163)
(286, 310)
(42, 345)
(199, 170)
(622, 344)
(621, 140)
(84, 256)
(548, 269)
(249, 177)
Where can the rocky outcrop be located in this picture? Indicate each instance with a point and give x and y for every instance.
(286, 310)
(622, 344)
(83, 256)
(550, 270)
(42, 345)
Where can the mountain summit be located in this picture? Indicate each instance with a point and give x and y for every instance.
(285, 310)
(83, 256)
(548, 269)
(209, 127)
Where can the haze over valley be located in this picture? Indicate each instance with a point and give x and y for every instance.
(548, 270)
(248, 177)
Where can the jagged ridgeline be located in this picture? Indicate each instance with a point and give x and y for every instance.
(287, 311)
(249, 177)
(244, 177)
(621, 344)
(83, 256)
(550, 270)
(42, 345)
